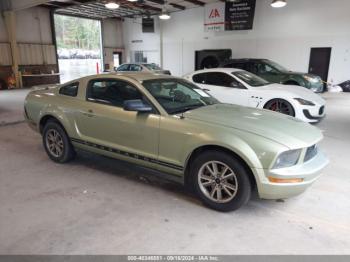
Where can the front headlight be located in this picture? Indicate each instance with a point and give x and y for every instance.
(304, 102)
(312, 79)
(287, 159)
(308, 78)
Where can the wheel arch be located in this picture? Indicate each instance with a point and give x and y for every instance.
(212, 147)
(284, 99)
(44, 119)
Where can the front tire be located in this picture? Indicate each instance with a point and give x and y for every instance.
(56, 143)
(281, 106)
(220, 181)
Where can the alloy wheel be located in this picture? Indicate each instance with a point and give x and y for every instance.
(217, 181)
(54, 143)
(281, 107)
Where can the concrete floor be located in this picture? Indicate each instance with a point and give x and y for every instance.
(96, 205)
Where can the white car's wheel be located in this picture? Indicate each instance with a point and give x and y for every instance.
(281, 106)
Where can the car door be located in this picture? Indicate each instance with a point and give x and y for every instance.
(223, 87)
(103, 121)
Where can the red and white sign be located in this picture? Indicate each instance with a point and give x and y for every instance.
(214, 17)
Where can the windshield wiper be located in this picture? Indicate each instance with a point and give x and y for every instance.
(186, 108)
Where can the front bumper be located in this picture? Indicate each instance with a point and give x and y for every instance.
(317, 87)
(315, 114)
(308, 171)
(311, 114)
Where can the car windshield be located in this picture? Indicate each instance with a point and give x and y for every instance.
(250, 79)
(177, 95)
(276, 66)
(152, 66)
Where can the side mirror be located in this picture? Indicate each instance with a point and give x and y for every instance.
(137, 106)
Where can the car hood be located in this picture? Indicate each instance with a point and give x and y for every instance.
(300, 74)
(296, 91)
(280, 128)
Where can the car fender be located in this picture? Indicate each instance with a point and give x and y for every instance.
(250, 147)
(294, 78)
(257, 159)
(58, 114)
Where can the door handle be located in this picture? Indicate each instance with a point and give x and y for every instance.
(89, 113)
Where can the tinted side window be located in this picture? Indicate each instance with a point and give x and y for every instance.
(112, 92)
(134, 67)
(249, 67)
(219, 79)
(199, 78)
(254, 68)
(265, 69)
(123, 68)
(69, 90)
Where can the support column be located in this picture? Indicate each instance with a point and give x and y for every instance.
(10, 21)
(161, 42)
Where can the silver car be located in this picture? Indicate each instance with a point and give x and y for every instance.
(141, 67)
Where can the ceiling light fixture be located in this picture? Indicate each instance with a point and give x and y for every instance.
(278, 3)
(164, 16)
(133, 0)
(111, 5)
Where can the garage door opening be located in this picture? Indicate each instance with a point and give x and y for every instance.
(79, 46)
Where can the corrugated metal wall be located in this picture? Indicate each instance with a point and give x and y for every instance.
(29, 54)
(34, 54)
(5, 54)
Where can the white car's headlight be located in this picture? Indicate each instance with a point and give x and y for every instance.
(287, 159)
(304, 102)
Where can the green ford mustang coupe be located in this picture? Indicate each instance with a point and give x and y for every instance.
(168, 124)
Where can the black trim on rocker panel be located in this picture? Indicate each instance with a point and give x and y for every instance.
(127, 154)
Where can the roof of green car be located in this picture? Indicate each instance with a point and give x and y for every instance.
(247, 60)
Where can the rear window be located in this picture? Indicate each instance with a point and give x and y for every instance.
(199, 78)
(70, 90)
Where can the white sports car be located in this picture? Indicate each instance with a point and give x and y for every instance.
(235, 86)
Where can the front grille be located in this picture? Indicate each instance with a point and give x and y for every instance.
(321, 111)
(311, 152)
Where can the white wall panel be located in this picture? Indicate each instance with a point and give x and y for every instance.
(285, 35)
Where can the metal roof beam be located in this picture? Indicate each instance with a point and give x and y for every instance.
(181, 7)
(196, 2)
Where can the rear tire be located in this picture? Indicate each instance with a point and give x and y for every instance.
(220, 181)
(57, 143)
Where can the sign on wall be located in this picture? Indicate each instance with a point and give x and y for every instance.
(239, 15)
(214, 17)
(236, 15)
